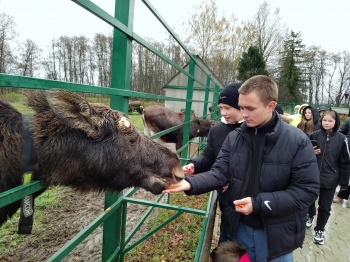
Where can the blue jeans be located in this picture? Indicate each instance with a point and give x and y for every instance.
(255, 241)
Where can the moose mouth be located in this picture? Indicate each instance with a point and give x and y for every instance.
(172, 181)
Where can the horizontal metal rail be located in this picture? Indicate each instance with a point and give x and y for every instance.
(70, 245)
(19, 192)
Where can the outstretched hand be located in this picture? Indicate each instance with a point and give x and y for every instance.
(188, 169)
(181, 186)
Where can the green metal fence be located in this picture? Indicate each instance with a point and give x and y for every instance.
(115, 243)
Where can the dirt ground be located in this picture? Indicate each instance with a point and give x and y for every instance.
(76, 212)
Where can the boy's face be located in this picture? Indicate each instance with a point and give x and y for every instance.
(254, 111)
(231, 114)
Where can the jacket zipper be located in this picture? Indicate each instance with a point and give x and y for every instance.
(324, 150)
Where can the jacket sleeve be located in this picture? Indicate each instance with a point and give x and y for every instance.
(216, 178)
(344, 164)
(344, 128)
(206, 160)
(300, 193)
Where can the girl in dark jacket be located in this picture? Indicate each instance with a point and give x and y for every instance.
(309, 120)
(333, 160)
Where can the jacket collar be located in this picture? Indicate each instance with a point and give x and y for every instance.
(272, 129)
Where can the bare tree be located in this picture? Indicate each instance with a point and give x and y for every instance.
(51, 63)
(28, 64)
(216, 39)
(334, 62)
(343, 82)
(315, 68)
(102, 48)
(7, 34)
(269, 32)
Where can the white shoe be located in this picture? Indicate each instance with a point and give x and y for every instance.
(344, 204)
(319, 237)
(336, 199)
(309, 221)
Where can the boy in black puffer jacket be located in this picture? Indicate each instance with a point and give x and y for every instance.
(231, 118)
(273, 175)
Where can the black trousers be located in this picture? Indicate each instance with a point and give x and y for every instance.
(325, 200)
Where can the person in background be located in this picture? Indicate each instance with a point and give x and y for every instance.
(273, 175)
(296, 110)
(343, 196)
(321, 111)
(229, 252)
(345, 127)
(309, 120)
(279, 109)
(333, 159)
(295, 120)
(230, 120)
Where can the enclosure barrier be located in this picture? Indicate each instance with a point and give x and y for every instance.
(115, 243)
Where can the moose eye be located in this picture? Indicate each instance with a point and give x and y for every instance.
(132, 140)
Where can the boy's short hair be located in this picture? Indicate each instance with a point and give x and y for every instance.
(227, 252)
(264, 86)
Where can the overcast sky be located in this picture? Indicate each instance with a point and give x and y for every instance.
(322, 22)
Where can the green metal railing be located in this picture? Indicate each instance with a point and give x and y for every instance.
(115, 243)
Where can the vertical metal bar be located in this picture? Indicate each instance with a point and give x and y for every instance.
(189, 96)
(121, 54)
(123, 230)
(215, 109)
(206, 97)
(111, 227)
(120, 79)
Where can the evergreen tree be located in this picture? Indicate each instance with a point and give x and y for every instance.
(251, 63)
(291, 74)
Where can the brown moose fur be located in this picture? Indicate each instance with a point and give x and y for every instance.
(81, 145)
(158, 118)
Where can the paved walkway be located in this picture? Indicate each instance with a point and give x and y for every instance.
(337, 239)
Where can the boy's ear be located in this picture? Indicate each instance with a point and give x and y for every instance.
(272, 106)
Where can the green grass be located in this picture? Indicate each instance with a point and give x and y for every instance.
(178, 240)
(9, 237)
(18, 101)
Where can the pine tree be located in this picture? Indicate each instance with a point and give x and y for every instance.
(251, 63)
(291, 74)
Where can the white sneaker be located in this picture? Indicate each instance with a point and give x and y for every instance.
(309, 221)
(344, 204)
(319, 237)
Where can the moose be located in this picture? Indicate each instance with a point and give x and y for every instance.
(158, 118)
(86, 146)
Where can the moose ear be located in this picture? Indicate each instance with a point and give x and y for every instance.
(75, 112)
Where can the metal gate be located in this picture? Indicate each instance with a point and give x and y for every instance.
(115, 243)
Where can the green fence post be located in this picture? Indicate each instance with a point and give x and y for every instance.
(206, 97)
(189, 96)
(120, 79)
(215, 108)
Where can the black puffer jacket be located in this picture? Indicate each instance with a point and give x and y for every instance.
(334, 160)
(216, 138)
(205, 161)
(289, 183)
